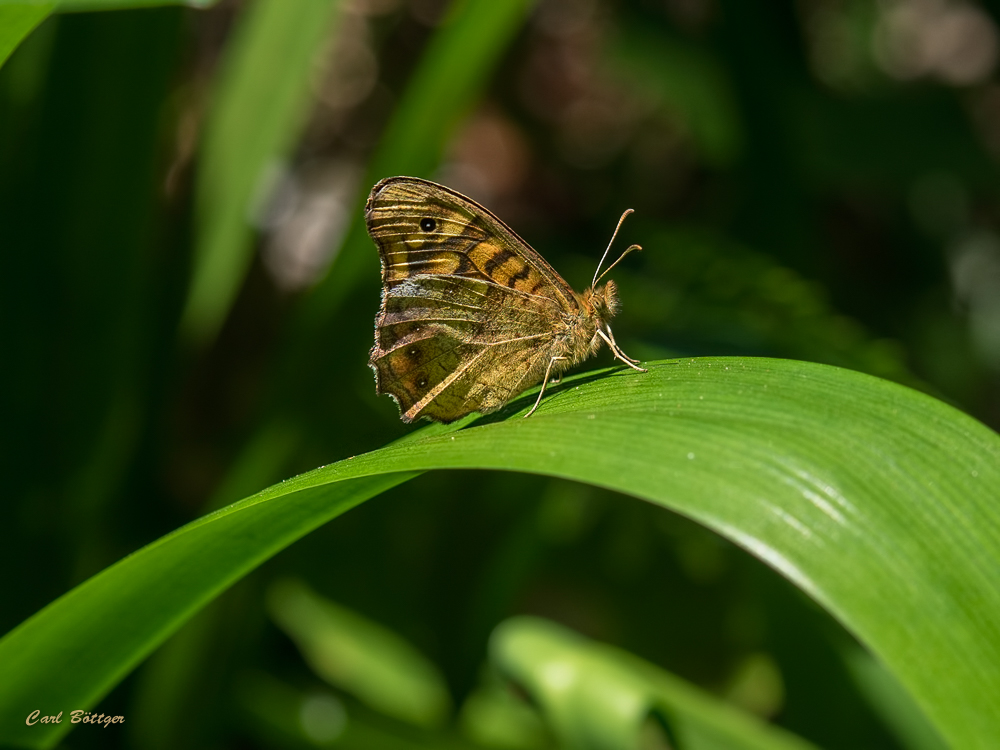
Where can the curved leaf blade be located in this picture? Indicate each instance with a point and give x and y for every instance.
(596, 696)
(878, 501)
(360, 656)
(261, 101)
(75, 650)
(16, 22)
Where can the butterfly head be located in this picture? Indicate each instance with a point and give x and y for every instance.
(604, 301)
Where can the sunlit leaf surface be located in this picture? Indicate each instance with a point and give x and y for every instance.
(876, 500)
(16, 22)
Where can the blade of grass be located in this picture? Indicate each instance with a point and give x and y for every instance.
(259, 108)
(360, 656)
(16, 22)
(125, 638)
(893, 704)
(877, 501)
(598, 697)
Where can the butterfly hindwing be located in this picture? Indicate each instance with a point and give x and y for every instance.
(440, 356)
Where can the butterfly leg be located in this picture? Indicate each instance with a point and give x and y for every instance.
(617, 351)
(548, 371)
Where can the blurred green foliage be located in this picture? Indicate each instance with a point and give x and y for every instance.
(812, 180)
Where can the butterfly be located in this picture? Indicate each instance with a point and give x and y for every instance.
(471, 316)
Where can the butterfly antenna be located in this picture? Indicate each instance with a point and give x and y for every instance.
(604, 257)
(621, 257)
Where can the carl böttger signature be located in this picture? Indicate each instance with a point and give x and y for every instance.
(75, 717)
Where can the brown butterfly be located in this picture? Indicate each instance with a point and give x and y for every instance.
(471, 316)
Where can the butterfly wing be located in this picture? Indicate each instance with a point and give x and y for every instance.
(470, 313)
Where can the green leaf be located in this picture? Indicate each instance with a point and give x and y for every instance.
(16, 22)
(259, 107)
(894, 706)
(598, 697)
(877, 501)
(496, 716)
(360, 656)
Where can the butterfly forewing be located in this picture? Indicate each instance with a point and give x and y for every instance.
(421, 227)
(469, 311)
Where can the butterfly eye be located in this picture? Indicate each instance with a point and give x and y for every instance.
(428, 224)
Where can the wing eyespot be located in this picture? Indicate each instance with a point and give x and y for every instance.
(422, 383)
(427, 224)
